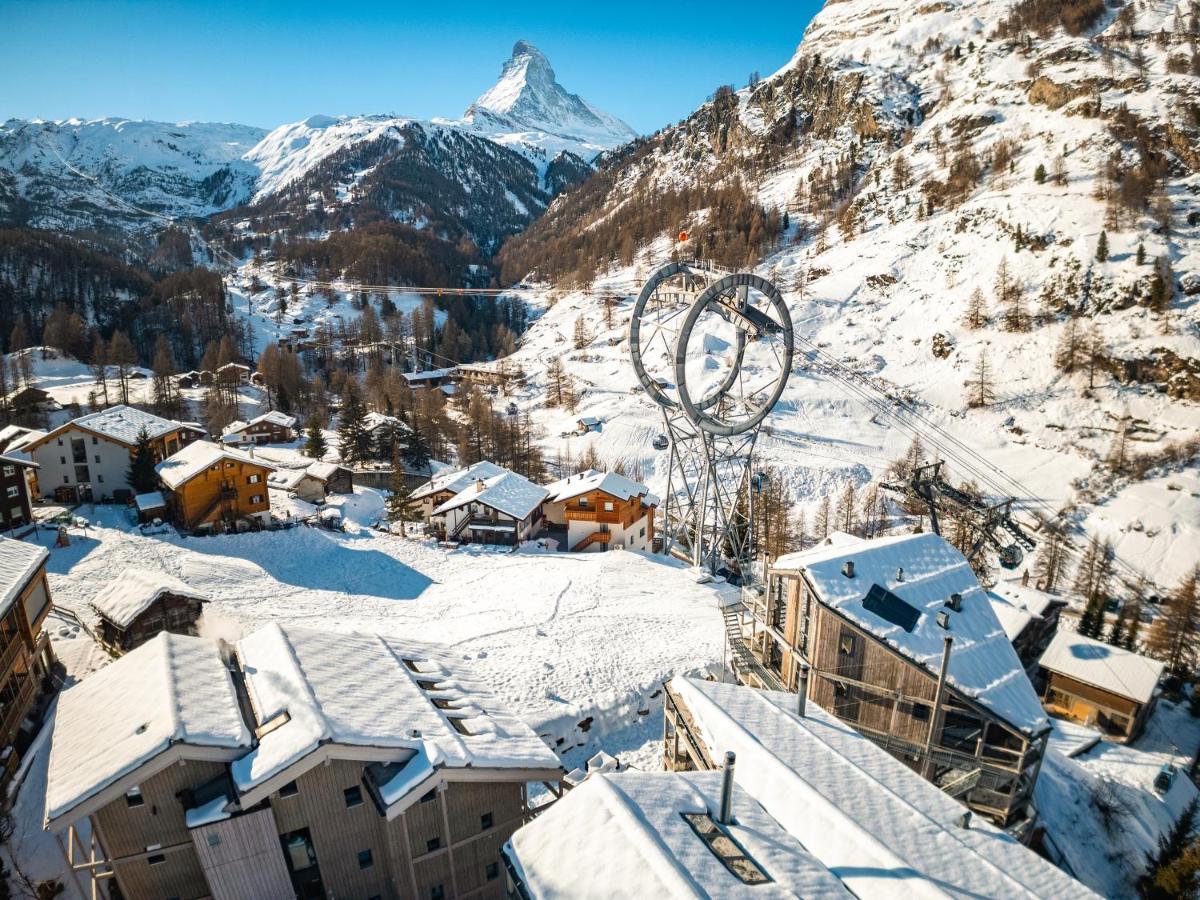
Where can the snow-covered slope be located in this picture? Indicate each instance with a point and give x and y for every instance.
(904, 143)
(75, 174)
(528, 109)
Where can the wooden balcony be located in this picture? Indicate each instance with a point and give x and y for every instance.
(14, 651)
(16, 710)
(596, 537)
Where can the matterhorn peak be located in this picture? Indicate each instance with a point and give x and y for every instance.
(528, 98)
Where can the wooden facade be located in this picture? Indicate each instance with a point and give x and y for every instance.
(230, 495)
(264, 431)
(321, 835)
(16, 502)
(958, 744)
(597, 520)
(25, 663)
(169, 612)
(1120, 718)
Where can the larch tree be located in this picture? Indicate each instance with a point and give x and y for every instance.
(166, 398)
(122, 355)
(1173, 637)
(99, 365)
(980, 390)
(1069, 352)
(976, 314)
(821, 524)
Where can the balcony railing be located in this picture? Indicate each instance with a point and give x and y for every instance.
(17, 709)
(11, 654)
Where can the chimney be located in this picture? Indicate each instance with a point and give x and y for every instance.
(848, 568)
(900, 574)
(955, 602)
(725, 816)
(943, 620)
(479, 485)
(964, 821)
(802, 695)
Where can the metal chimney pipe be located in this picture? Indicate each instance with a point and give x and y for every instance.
(725, 816)
(802, 694)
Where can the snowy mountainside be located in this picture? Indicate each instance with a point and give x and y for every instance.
(177, 170)
(881, 141)
(528, 109)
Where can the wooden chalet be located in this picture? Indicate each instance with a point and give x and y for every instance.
(272, 427)
(290, 763)
(25, 654)
(1099, 685)
(445, 485)
(334, 477)
(1028, 616)
(215, 488)
(899, 640)
(600, 510)
(139, 604)
(504, 509)
(16, 499)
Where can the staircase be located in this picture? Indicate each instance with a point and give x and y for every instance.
(596, 537)
(740, 658)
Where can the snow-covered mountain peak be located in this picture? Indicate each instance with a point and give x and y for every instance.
(527, 106)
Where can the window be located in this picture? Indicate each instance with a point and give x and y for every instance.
(433, 844)
(155, 859)
(643, 532)
(256, 498)
(365, 860)
(60, 443)
(100, 478)
(583, 502)
(133, 797)
(846, 645)
(289, 790)
(10, 471)
(214, 839)
(97, 457)
(253, 479)
(608, 507)
(229, 465)
(920, 712)
(491, 871)
(14, 491)
(437, 892)
(353, 796)
(890, 608)
(66, 479)
(726, 849)
(485, 821)
(95, 440)
(63, 460)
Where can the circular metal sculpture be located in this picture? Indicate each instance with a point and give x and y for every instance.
(734, 354)
(713, 349)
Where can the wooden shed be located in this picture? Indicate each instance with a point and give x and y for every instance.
(139, 604)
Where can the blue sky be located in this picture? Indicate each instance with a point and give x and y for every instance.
(266, 63)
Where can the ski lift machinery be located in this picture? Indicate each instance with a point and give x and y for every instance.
(713, 349)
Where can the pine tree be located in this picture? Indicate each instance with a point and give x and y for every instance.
(141, 475)
(416, 452)
(1119, 629)
(314, 439)
(1102, 247)
(1173, 871)
(354, 441)
(1173, 636)
(398, 509)
(1141, 254)
(1039, 174)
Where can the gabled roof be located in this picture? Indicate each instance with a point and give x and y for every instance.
(509, 493)
(922, 571)
(362, 690)
(288, 479)
(323, 471)
(122, 423)
(593, 480)
(1118, 671)
(130, 594)
(171, 690)
(274, 417)
(193, 459)
(13, 459)
(18, 562)
(1017, 606)
(430, 374)
(625, 835)
(374, 420)
(882, 828)
(458, 479)
(150, 500)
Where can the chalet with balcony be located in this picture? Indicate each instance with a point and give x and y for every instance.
(16, 490)
(272, 427)
(1028, 616)
(292, 763)
(1099, 685)
(214, 488)
(446, 485)
(901, 642)
(504, 509)
(139, 604)
(88, 458)
(25, 654)
(600, 510)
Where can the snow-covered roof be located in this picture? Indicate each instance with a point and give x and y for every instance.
(14, 459)
(1103, 665)
(287, 479)
(458, 479)
(150, 500)
(275, 417)
(323, 471)
(923, 571)
(625, 835)
(173, 689)
(510, 493)
(878, 825)
(15, 437)
(1017, 606)
(130, 594)
(593, 480)
(429, 374)
(193, 459)
(124, 424)
(374, 420)
(18, 562)
(362, 690)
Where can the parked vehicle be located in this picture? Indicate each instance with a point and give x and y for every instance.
(661, 442)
